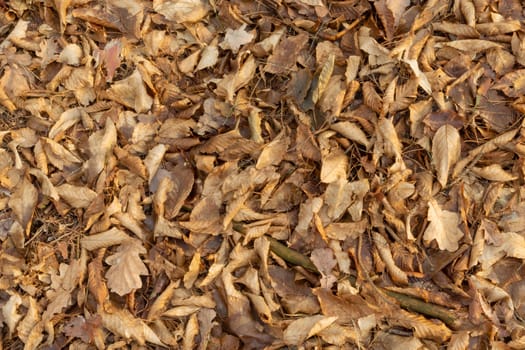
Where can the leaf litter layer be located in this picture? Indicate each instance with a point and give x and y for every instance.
(262, 174)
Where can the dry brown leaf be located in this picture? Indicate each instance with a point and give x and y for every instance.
(284, 56)
(209, 57)
(446, 150)
(126, 267)
(324, 260)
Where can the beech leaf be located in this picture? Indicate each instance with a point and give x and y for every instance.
(446, 149)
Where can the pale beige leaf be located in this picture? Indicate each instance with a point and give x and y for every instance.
(446, 149)
(338, 197)
(458, 29)
(23, 202)
(303, 328)
(398, 8)
(423, 327)
(180, 11)
(472, 45)
(352, 68)
(501, 61)
(371, 97)
(160, 304)
(497, 28)
(398, 276)
(187, 65)
(122, 323)
(459, 341)
(352, 132)
(101, 145)
(153, 159)
(443, 227)
(209, 57)
(494, 172)
(47, 187)
(71, 55)
(10, 313)
(105, 239)
(387, 132)
(58, 155)
(229, 85)
(268, 44)
(67, 119)
(324, 78)
(422, 78)
(126, 267)
(334, 166)
(181, 311)
(32, 317)
(234, 39)
(273, 152)
(489, 146)
(76, 196)
(132, 93)
(193, 271)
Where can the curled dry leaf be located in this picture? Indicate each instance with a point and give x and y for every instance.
(300, 330)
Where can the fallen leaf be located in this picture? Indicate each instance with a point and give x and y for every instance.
(443, 227)
(126, 267)
(446, 148)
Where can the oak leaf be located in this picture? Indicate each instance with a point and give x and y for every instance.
(126, 267)
(443, 227)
